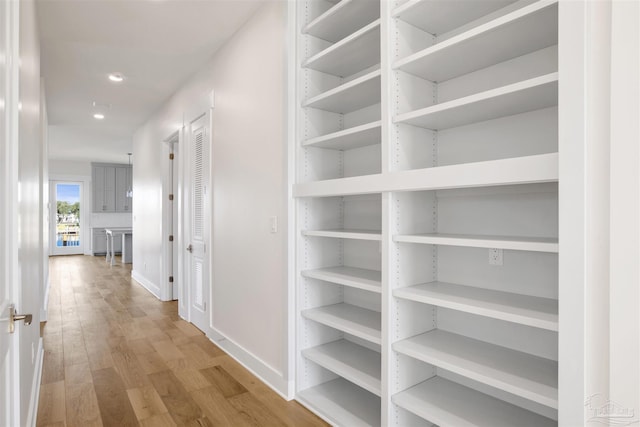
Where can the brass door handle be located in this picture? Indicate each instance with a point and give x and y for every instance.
(13, 316)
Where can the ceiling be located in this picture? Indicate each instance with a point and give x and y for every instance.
(157, 45)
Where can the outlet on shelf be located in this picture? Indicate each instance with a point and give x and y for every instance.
(495, 257)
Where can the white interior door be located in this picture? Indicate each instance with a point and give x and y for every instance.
(9, 368)
(198, 271)
(67, 211)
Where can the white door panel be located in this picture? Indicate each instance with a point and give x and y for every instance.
(199, 222)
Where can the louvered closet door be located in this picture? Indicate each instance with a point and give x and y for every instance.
(199, 283)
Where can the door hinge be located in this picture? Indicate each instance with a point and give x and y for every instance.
(170, 279)
(170, 156)
(171, 238)
(171, 197)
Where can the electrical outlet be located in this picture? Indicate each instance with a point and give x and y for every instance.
(495, 256)
(274, 224)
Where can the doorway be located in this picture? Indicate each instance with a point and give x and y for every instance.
(66, 229)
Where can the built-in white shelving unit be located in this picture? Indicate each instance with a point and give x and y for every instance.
(427, 212)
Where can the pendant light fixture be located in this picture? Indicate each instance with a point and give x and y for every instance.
(129, 192)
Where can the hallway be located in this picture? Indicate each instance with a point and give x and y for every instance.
(116, 356)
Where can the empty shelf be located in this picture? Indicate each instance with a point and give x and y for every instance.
(353, 362)
(528, 95)
(355, 137)
(343, 403)
(344, 18)
(351, 96)
(439, 401)
(515, 372)
(438, 17)
(350, 55)
(522, 309)
(369, 280)
(353, 320)
(523, 31)
(520, 170)
(346, 234)
(534, 244)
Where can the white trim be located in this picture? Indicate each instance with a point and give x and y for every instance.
(624, 297)
(32, 415)
(290, 150)
(166, 293)
(265, 373)
(44, 312)
(146, 283)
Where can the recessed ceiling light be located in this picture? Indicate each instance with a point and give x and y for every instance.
(116, 77)
(98, 116)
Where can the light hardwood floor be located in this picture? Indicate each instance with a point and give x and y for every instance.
(116, 356)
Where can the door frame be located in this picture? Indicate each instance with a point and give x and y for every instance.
(85, 237)
(172, 183)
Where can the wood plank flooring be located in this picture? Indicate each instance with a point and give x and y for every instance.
(116, 356)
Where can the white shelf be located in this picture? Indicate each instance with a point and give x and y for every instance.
(440, 401)
(438, 17)
(351, 96)
(528, 95)
(343, 19)
(534, 244)
(355, 137)
(343, 403)
(355, 363)
(350, 55)
(369, 280)
(518, 373)
(522, 309)
(520, 170)
(525, 30)
(353, 320)
(345, 234)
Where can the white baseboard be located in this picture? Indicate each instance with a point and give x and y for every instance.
(146, 283)
(32, 415)
(254, 364)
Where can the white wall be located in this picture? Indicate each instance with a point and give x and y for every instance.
(249, 152)
(69, 167)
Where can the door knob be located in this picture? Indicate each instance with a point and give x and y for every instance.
(190, 248)
(13, 316)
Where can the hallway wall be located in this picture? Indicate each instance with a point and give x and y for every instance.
(248, 155)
